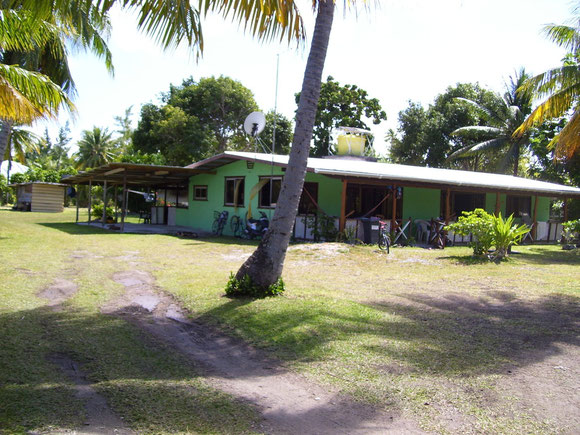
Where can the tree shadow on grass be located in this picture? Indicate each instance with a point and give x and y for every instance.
(77, 230)
(448, 334)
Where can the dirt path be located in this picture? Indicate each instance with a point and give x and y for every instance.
(287, 401)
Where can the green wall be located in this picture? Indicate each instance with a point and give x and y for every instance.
(200, 214)
(421, 203)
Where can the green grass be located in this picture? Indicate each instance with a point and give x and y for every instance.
(428, 332)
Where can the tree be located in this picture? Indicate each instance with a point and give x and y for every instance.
(96, 148)
(264, 266)
(20, 142)
(197, 120)
(498, 134)
(283, 133)
(424, 136)
(561, 89)
(341, 106)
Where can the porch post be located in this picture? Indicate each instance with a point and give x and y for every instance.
(77, 195)
(394, 214)
(565, 209)
(447, 206)
(535, 227)
(497, 204)
(104, 203)
(90, 199)
(124, 205)
(342, 220)
(116, 193)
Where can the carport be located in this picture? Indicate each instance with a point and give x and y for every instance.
(129, 177)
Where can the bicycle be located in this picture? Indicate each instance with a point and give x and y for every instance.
(236, 225)
(384, 237)
(220, 219)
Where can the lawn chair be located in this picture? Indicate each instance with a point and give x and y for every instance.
(527, 220)
(423, 229)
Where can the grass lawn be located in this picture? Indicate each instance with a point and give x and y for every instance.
(447, 340)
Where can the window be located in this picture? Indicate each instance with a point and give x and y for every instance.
(309, 193)
(234, 191)
(269, 192)
(518, 205)
(462, 201)
(200, 193)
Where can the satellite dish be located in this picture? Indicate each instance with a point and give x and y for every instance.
(254, 123)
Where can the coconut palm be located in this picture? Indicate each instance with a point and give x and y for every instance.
(21, 142)
(561, 89)
(96, 148)
(499, 135)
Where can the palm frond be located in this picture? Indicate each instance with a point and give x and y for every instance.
(476, 129)
(551, 80)
(568, 141)
(26, 95)
(471, 150)
(565, 36)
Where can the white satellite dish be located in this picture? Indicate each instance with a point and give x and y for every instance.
(254, 123)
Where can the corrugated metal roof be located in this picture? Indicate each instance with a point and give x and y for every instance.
(355, 168)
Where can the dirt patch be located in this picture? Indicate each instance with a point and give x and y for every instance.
(320, 250)
(99, 417)
(288, 402)
(58, 292)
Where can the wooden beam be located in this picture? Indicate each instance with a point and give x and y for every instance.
(160, 172)
(77, 201)
(114, 171)
(497, 203)
(565, 209)
(342, 220)
(104, 218)
(124, 206)
(90, 199)
(447, 206)
(535, 227)
(394, 213)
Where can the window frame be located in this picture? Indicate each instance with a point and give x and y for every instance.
(517, 212)
(243, 197)
(201, 186)
(271, 178)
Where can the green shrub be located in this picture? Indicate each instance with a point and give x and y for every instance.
(506, 234)
(479, 223)
(570, 233)
(97, 212)
(322, 226)
(246, 288)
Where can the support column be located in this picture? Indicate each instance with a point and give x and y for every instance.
(90, 199)
(116, 194)
(104, 218)
(342, 220)
(394, 214)
(535, 227)
(77, 200)
(497, 204)
(124, 206)
(447, 206)
(565, 209)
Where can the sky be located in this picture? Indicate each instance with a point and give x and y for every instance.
(399, 50)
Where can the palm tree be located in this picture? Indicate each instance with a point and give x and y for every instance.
(500, 134)
(20, 143)
(561, 89)
(264, 266)
(96, 148)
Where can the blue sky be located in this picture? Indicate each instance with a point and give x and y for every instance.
(399, 51)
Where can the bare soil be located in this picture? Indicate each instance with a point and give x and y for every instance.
(288, 402)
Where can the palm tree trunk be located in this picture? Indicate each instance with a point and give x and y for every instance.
(264, 266)
(5, 131)
(516, 159)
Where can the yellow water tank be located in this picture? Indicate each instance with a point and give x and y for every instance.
(350, 144)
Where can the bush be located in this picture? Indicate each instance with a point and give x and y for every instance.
(245, 287)
(570, 233)
(97, 212)
(506, 234)
(479, 223)
(322, 226)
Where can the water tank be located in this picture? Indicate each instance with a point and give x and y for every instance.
(350, 145)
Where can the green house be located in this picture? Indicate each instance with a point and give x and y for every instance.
(352, 192)
(353, 189)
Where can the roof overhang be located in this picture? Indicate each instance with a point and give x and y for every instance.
(136, 175)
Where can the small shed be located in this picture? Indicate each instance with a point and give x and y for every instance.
(40, 197)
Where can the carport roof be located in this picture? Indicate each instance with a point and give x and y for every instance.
(136, 175)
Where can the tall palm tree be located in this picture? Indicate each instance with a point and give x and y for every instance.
(96, 148)
(264, 266)
(499, 135)
(21, 142)
(561, 89)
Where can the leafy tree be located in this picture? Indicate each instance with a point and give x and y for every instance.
(561, 89)
(341, 106)
(283, 133)
(498, 133)
(424, 136)
(197, 120)
(124, 130)
(96, 148)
